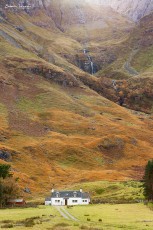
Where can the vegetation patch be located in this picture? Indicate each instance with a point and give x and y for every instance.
(60, 226)
(7, 226)
(114, 192)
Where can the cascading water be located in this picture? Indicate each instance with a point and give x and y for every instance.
(92, 67)
(84, 51)
(89, 65)
(114, 84)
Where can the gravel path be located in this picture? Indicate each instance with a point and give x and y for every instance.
(65, 213)
(127, 65)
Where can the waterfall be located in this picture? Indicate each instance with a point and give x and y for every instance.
(114, 84)
(91, 64)
(92, 67)
(84, 51)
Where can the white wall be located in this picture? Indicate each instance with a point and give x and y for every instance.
(47, 202)
(58, 201)
(71, 201)
(85, 201)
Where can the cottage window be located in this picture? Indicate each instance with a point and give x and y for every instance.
(84, 200)
(75, 194)
(57, 201)
(57, 194)
(74, 201)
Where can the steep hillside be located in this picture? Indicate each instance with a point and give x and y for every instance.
(132, 71)
(57, 135)
(56, 128)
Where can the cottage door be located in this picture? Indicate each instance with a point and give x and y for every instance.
(65, 201)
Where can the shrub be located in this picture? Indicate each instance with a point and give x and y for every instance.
(7, 221)
(29, 223)
(99, 191)
(100, 220)
(60, 225)
(89, 228)
(88, 219)
(150, 205)
(95, 228)
(84, 227)
(7, 226)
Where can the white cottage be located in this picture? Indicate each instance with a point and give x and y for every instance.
(61, 198)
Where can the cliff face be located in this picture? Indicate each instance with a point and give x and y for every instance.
(135, 9)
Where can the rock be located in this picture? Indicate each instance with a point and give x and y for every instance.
(133, 141)
(118, 119)
(5, 155)
(3, 15)
(134, 9)
(48, 129)
(19, 28)
(27, 190)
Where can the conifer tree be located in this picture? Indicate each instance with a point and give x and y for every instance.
(148, 181)
(5, 171)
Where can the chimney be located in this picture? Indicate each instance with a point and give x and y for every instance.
(81, 190)
(52, 190)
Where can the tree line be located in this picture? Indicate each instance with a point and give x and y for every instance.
(8, 185)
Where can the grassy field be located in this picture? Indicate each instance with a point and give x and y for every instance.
(41, 217)
(93, 217)
(122, 216)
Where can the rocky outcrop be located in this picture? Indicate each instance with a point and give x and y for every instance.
(5, 155)
(134, 9)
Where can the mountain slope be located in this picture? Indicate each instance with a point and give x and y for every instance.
(132, 70)
(55, 127)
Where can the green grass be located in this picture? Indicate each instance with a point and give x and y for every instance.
(8, 50)
(42, 217)
(121, 216)
(113, 192)
(93, 217)
(143, 60)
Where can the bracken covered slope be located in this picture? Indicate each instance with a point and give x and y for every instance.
(55, 127)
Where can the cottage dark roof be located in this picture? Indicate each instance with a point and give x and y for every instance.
(48, 199)
(85, 195)
(69, 194)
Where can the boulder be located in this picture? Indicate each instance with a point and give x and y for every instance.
(5, 155)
